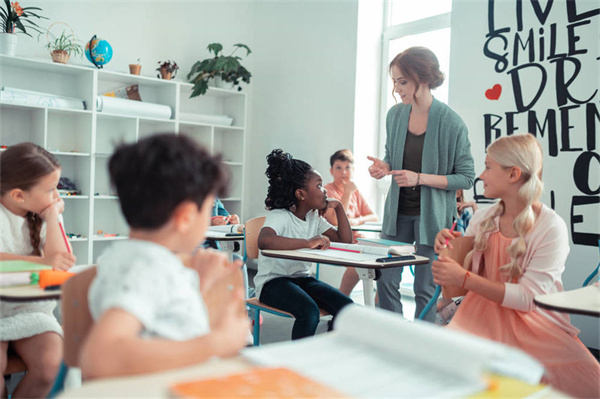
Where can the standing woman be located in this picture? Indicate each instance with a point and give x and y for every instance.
(428, 154)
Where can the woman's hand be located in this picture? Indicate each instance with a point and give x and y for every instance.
(219, 220)
(59, 260)
(234, 219)
(379, 168)
(319, 242)
(442, 236)
(405, 178)
(53, 210)
(448, 272)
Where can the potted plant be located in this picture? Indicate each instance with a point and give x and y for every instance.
(13, 17)
(168, 69)
(136, 68)
(63, 46)
(226, 67)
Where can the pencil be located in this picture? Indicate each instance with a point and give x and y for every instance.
(62, 230)
(451, 230)
(344, 249)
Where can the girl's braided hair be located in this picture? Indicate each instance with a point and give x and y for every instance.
(285, 175)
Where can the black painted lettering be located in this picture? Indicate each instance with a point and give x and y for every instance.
(565, 129)
(533, 126)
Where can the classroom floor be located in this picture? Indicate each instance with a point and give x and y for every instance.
(279, 329)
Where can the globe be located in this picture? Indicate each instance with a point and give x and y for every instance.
(101, 51)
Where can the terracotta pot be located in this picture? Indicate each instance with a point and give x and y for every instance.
(135, 69)
(165, 74)
(60, 56)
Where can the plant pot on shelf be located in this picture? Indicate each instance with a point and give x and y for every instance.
(221, 84)
(135, 69)
(60, 56)
(165, 73)
(8, 43)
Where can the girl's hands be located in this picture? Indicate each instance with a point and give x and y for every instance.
(405, 178)
(332, 203)
(448, 272)
(442, 236)
(53, 210)
(59, 261)
(319, 242)
(219, 220)
(379, 168)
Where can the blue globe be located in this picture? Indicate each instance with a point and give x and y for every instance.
(101, 52)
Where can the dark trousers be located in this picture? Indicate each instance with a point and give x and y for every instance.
(302, 297)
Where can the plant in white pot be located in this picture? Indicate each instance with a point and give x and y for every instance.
(15, 18)
(225, 67)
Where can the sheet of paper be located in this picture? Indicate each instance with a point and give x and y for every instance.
(333, 253)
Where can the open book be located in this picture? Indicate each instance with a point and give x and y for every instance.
(376, 249)
(227, 229)
(374, 353)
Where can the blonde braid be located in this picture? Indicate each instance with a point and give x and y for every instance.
(485, 226)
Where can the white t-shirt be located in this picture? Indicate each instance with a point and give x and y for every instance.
(286, 224)
(23, 319)
(151, 283)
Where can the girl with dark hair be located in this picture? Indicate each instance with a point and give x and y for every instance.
(30, 209)
(296, 200)
(428, 154)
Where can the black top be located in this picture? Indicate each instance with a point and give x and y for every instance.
(409, 202)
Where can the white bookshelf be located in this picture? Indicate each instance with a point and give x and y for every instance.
(83, 140)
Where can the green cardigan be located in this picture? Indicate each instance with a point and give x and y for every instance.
(446, 152)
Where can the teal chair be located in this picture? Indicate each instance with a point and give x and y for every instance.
(251, 232)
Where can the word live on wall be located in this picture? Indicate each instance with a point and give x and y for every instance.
(545, 60)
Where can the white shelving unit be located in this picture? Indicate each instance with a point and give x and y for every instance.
(83, 140)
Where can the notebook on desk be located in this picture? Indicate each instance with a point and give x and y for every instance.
(256, 383)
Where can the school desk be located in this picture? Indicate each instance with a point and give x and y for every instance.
(156, 385)
(27, 293)
(585, 301)
(366, 269)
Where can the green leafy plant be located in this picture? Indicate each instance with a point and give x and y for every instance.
(227, 67)
(65, 42)
(13, 17)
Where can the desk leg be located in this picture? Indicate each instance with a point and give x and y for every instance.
(367, 276)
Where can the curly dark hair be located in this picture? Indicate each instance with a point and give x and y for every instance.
(286, 175)
(156, 174)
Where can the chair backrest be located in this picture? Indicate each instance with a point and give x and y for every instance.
(460, 248)
(251, 232)
(77, 319)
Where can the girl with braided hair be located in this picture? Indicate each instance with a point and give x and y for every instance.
(296, 200)
(520, 250)
(30, 209)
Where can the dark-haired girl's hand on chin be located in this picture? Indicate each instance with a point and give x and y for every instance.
(53, 210)
(60, 260)
(332, 203)
(319, 242)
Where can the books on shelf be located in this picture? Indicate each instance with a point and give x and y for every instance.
(255, 383)
(374, 353)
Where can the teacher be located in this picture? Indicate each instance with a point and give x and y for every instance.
(428, 155)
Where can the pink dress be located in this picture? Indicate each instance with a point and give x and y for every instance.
(569, 365)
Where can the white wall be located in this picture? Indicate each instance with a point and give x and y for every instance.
(301, 96)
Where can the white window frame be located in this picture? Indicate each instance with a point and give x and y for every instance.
(436, 22)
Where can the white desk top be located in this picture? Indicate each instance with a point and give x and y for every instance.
(311, 257)
(585, 301)
(218, 236)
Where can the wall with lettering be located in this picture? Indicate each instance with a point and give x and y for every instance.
(533, 66)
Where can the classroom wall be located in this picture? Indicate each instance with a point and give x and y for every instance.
(301, 96)
(543, 56)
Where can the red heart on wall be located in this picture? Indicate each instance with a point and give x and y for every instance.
(494, 92)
